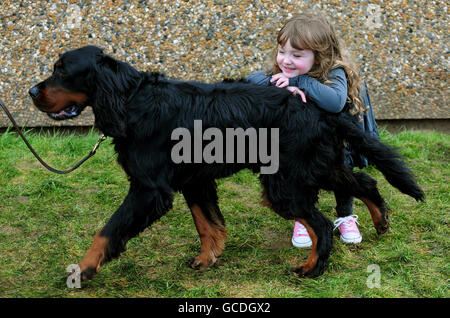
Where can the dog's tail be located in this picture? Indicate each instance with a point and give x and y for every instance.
(383, 157)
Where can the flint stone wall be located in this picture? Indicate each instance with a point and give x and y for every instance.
(400, 47)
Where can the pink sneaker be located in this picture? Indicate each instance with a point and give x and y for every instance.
(349, 229)
(300, 237)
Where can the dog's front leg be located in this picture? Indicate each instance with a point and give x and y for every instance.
(202, 200)
(141, 207)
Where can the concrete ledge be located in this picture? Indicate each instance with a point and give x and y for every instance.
(400, 47)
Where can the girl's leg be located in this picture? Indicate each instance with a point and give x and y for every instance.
(344, 205)
(346, 222)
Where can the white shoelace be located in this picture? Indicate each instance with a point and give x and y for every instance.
(301, 230)
(345, 221)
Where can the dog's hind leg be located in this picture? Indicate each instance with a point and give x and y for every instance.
(202, 200)
(369, 194)
(301, 208)
(141, 207)
(363, 187)
(320, 231)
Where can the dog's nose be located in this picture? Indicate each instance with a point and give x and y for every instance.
(34, 92)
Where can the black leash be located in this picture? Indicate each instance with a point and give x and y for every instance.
(93, 151)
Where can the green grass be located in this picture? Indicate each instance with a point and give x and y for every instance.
(48, 221)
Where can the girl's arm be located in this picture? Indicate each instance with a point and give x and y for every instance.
(331, 98)
(260, 78)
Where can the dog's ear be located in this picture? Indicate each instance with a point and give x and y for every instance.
(113, 81)
(109, 110)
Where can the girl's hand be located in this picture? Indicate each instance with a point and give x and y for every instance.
(297, 91)
(281, 80)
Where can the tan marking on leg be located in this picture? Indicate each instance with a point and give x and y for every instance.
(312, 259)
(212, 239)
(380, 223)
(95, 255)
(374, 211)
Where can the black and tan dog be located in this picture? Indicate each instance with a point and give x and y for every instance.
(141, 110)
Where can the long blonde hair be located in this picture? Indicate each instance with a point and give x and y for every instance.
(314, 32)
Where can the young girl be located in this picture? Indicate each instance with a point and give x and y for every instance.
(309, 62)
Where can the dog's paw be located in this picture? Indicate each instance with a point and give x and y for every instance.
(202, 263)
(88, 273)
(305, 271)
(382, 227)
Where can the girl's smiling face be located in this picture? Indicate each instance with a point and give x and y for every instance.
(293, 62)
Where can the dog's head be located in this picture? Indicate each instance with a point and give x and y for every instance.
(69, 89)
(87, 76)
